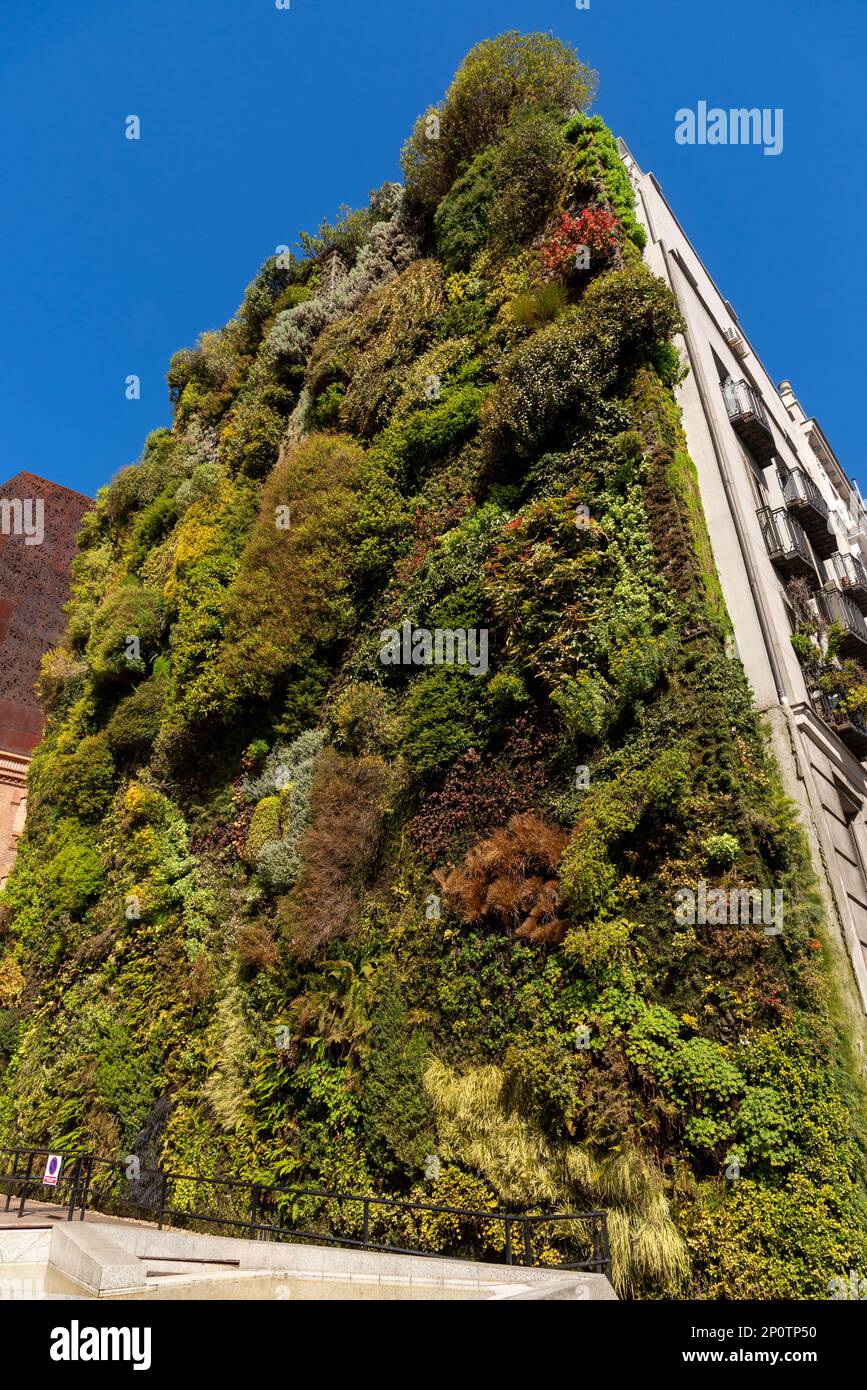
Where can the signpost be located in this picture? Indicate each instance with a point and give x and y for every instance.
(53, 1165)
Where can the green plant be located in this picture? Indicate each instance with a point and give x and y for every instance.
(587, 872)
(506, 692)
(721, 849)
(805, 648)
(529, 172)
(264, 826)
(125, 635)
(397, 1112)
(536, 308)
(599, 172)
(135, 723)
(250, 440)
(345, 235)
(286, 601)
(833, 638)
(561, 370)
(74, 876)
(441, 718)
(582, 702)
(82, 781)
(600, 943)
(450, 896)
(497, 79)
(12, 982)
(364, 720)
(256, 753)
(461, 220)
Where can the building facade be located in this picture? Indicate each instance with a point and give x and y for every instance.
(789, 535)
(39, 523)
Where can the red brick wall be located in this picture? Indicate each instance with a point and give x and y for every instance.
(34, 586)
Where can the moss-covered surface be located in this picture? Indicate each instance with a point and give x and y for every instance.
(413, 930)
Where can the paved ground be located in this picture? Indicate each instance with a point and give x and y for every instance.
(38, 1213)
(134, 1259)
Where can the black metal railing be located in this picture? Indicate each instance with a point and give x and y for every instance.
(851, 577)
(838, 608)
(741, 399)
(798, 487)
(803, 498)
(27, 1172)
(787, 544)
(831, 704)
(749, 418)
(261, 1211)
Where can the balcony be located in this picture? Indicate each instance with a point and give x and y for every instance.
(848, 725)
(839, 609)
(805, 501)
(748, 418)
(852, 578)
(787, 545)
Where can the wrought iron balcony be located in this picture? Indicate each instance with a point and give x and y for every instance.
(787, 545)
(852, 578)
(749, 419)
(805, 501)
(839, 609)
(849, 724)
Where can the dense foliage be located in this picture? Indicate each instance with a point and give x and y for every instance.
(300, 914)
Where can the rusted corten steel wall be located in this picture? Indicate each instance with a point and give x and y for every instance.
(34, 586)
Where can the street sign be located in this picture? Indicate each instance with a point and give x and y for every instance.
(53, 1165)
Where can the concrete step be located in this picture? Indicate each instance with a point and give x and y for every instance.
(86, 1253)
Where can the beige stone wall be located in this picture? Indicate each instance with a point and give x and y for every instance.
(13, 808)
(821, 775)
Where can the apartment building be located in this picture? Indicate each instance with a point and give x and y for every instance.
(39, 523)
(779, 508)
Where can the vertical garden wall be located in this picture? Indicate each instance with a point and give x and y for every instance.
(290, 913)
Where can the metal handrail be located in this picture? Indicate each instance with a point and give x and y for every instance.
(849, 570)
(742, 401)
(783, 533)
(80, 1172)
(798, 486)
(840, 609)
(828, 703)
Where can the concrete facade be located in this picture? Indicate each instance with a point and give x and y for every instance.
(778, 505)
(132, 1260)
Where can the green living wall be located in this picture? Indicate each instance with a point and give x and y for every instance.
(287, 913)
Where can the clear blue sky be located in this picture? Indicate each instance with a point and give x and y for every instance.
(257, 122)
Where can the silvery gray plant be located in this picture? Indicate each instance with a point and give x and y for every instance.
(286, 768)
(388, 249)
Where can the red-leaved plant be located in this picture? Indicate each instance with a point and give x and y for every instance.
(594, 228)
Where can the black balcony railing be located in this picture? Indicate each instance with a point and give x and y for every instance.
(850, 725)
(787, 545)
(749, 419)
(259, 1211)
(799, 489)
(851, 577)
(837, 608)
(805, 502)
